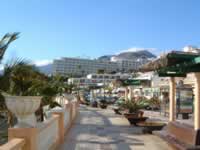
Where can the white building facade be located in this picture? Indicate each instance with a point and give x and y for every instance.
(81, 67)
(129, 65)
(94, 79)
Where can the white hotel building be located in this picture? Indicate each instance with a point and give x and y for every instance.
(82, 67)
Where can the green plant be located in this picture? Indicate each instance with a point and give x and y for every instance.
(2, 102)
(5, 42)
(21, 78)
(120, 102)
(133, 106)
(155, 102)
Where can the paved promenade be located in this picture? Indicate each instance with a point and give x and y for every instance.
(98, 129)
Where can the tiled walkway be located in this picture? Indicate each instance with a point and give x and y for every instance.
(97, 129)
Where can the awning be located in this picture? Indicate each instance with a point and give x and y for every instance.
(174, 64)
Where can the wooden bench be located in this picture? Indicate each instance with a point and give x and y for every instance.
(180, 136)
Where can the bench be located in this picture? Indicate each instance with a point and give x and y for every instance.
(180, 136)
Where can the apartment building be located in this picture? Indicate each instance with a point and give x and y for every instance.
(108, 76)
(128, 65)
(93, 79)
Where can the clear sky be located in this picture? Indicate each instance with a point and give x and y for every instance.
(55, 28)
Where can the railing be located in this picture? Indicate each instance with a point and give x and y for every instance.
(46, 135)
(14, 144)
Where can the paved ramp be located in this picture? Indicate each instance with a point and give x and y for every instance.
(101, 129)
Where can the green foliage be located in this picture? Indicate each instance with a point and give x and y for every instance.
(154, 102)
(23, 79)
(133, 105)
(120, 102)
(8, 68)
(5, 42)
(100, 71)
(2, 102)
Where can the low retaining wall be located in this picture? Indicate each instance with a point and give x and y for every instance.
(47, 135)
(14, 144)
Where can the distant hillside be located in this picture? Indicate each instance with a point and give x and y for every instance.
(105, 57)
(135, 55)
(129, 55)
(47, 69)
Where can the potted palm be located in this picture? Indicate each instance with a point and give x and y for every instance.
(23, 87)
(26, 88)
(21, 80)
(132, 111)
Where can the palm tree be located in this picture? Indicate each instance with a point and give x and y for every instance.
(23, 79)
(5, 42)
(18, 78)
(8, 70)
(5, 85)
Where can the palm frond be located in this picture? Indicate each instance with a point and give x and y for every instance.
(5, 41)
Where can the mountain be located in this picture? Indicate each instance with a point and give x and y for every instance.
(129, 55)
(135, 55)
(105, 57)
(46, 69)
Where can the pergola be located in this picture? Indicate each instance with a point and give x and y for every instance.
(178, 64)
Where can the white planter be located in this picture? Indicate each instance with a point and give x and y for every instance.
(24, 108)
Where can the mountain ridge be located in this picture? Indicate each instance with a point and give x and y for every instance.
(129, 55)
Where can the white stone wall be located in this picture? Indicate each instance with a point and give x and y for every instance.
(48, 133)
(66, 118)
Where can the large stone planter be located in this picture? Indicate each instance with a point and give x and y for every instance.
(24, 108)
(135, 118)
(151, 126)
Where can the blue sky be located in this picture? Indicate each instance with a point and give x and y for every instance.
(55, 28)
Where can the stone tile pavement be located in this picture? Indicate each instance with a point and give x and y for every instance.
(101, 129)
